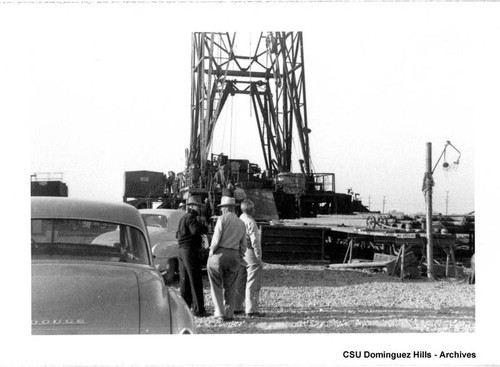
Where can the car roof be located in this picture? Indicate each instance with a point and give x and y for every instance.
(69, 208)
(173, 216)
(166, 212)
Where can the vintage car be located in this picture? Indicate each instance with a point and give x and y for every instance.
(162, 226)
(81, 285)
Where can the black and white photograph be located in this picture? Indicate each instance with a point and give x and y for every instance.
(250, 183)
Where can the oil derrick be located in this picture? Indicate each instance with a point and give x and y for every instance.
(272, 75)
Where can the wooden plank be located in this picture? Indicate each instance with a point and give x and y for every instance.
(297, 261)
(366, 264)
(396, 263)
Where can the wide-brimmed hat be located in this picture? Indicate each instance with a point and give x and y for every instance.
(227, 201)
(194, 200)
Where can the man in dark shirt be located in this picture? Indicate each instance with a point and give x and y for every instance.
(190, 241)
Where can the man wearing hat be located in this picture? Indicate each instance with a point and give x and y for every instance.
(226, 251)
(248, 282)
(189, 236)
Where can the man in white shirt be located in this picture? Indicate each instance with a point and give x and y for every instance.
(248, 283)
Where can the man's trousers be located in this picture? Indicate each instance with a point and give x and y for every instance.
(248, 286)
(222, 269)
(191, 283)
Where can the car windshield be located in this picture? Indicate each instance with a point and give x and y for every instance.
(87, 240)
(155, 220)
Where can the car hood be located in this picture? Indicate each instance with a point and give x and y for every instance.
(84, 299)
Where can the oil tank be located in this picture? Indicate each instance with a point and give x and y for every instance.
(49, 188)
(140, 184)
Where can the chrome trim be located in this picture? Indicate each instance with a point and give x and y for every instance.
(58, 322)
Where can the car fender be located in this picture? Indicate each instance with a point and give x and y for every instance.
(155, 309)
(164, 252)
(183, 322)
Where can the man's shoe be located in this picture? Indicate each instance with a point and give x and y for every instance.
(239, 312)
(224, 318)
(255, 314)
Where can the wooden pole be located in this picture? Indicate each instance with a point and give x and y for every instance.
(347, 252)
(447, 264)
(396, 263)
(452, 253)
(350, 251)
(402, 270)
(428, 197)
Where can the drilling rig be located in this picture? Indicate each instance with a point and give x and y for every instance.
(272, 74)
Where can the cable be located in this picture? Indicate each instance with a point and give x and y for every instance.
(231, 129)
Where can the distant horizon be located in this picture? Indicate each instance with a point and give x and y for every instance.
(59, 177)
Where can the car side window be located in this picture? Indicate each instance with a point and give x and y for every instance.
(132, 243)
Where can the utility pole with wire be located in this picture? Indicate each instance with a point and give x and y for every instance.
(428, 183)
(427, 189)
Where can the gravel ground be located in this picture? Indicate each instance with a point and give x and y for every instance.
(315, 299)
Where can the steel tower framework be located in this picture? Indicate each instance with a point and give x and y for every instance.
(272, 74)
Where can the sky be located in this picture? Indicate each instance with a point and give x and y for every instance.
(110, 92)
(94, 90)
